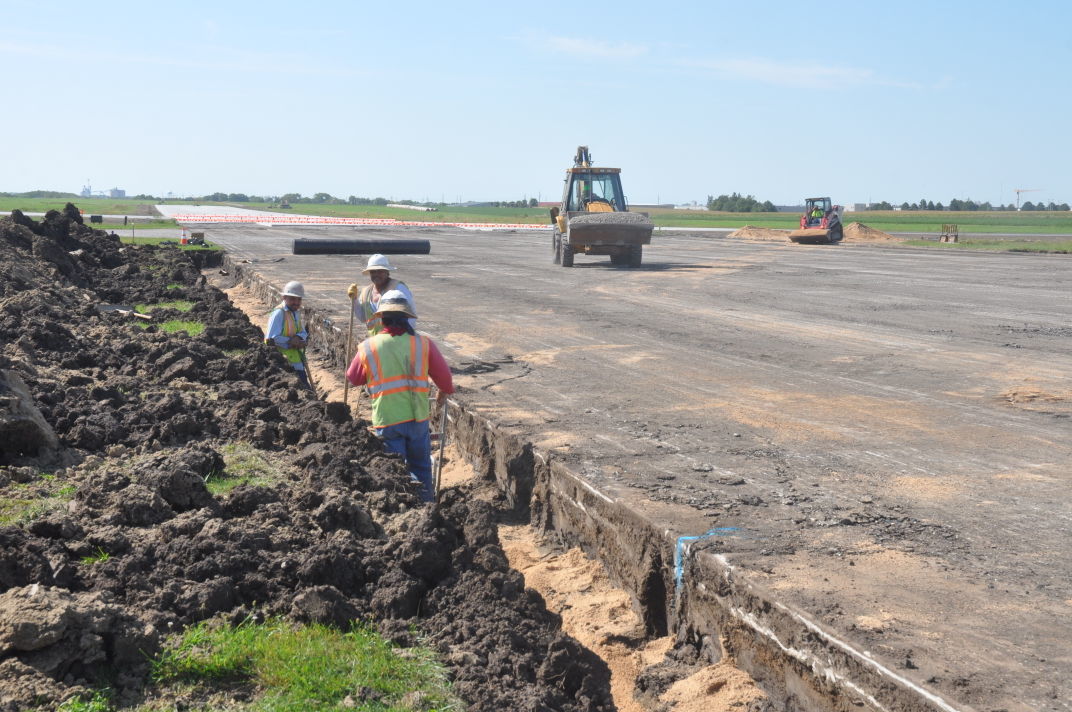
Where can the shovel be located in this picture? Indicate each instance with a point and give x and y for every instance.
(349, 347)
(308, 374)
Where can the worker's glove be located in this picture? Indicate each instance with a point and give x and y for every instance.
(351, 292)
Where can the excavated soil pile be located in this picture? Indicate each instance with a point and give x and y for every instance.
(135, 421)
(761, 233)
(858, 232)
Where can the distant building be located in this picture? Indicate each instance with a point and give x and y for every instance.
(117, 193)
(87, 191)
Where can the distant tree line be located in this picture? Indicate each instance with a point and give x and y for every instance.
(1039, 206)
(737, 203)
(530, 203)
(40, 194)
(968, 205)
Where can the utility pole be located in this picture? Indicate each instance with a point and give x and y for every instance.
(1023, 190)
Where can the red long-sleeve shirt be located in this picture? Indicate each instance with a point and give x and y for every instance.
(438, 370)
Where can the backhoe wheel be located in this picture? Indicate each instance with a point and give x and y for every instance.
(566, 252)
(636, 255)
(556, 256)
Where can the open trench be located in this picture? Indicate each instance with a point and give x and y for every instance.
(716, 624)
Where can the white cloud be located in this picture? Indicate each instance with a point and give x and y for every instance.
(594, 48)
(207, 57)
(788, 74)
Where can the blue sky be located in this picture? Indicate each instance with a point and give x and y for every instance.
(862, 101)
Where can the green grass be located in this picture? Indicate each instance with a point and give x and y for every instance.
(160, 224)
(99, 557)
(243, 465)
(97, 703)
(886, 220)
(997, 245)
(927, 221)
(127, 240)
(444, 214)
(88, 206)
(193, 328)
(22, 503)
(292, 668)
(977, 222)
(183, 305)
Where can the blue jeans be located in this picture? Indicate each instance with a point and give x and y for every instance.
(413, 441)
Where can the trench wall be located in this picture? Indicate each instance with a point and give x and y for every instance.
(800, 665)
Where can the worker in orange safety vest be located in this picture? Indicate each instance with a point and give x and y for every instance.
(398, 366)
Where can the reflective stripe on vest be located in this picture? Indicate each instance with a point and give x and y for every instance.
(396, 369)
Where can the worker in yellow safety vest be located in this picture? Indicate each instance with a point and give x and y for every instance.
(398, 366)
(366, 300)
(286, 331)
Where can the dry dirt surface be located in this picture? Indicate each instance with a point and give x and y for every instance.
(854, 232)
(137, 421)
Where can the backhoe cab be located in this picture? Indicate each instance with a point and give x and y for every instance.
(594, 219)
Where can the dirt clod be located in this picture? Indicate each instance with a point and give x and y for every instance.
(142, 421)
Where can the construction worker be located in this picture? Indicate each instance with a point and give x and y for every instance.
(398, 366)
(287, 332)
(586, 195)
(817, 211)
(364, 303)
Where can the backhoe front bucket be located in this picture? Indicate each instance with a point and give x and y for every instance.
(596, 229)
(811, 236)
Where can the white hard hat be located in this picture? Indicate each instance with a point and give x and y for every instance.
(377, 262)
(394, 300)
(294, 289)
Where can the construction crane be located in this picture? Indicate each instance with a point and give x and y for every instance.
(1023, 190)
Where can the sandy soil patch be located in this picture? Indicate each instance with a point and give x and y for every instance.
(854, 232)
(858, 232)
(751, 232)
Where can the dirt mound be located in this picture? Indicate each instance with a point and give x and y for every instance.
(858, 232)
(760, 233)
(140, 421)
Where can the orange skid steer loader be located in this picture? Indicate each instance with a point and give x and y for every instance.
(820, 224)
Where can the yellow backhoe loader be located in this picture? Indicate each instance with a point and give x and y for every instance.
(594, 219)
